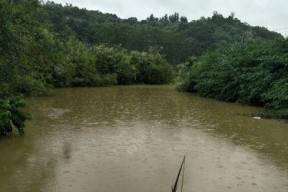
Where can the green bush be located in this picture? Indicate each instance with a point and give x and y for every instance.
(10, 114)
(253, 73)
(152, 68)
(77, 64)
(29, 86)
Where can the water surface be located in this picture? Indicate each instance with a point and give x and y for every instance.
(133, 138)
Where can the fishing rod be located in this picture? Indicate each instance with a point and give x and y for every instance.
(174, 188)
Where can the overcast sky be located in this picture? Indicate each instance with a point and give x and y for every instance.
(272, 14)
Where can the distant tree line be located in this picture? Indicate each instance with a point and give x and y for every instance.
(178, 38)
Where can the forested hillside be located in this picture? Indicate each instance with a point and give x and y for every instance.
(178, 37)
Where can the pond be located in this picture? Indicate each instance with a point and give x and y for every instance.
(133, 138)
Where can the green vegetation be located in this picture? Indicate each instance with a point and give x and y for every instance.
(47, 45)
(252, 73)
(24, 46)
(77, 64)
(178, 38)
(11, 115)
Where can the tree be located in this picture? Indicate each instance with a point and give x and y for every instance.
(183, 19)
(174, 18)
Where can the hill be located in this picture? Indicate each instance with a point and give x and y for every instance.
(177, 37)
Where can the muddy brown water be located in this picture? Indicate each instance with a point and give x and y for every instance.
(133, 139)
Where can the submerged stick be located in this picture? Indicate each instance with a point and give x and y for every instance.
(174, 189)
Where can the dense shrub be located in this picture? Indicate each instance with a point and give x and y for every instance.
(10, 115)
(101, 65)
(252, 73)
(29, 86)
(152, 68)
